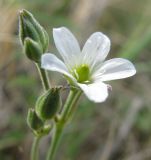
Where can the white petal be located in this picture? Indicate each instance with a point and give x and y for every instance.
(51, 62)
(96, 48)
(67, 45)
(97, 92)
(116, 68)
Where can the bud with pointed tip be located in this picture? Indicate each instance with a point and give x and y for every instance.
(30, 27)
(48, 104)
(32, 50)
(33, 121)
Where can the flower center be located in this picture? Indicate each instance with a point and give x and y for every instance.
(82, 73)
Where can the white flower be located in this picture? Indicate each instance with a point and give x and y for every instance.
(86, 68)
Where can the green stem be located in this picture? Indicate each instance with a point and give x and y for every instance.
(34, 151)
(55, 141)
(43, 77)
(70, 104)
(45, 83)
(59, 126)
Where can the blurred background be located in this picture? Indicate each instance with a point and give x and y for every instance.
(120, 128)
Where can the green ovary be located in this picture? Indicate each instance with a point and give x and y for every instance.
(82, 73)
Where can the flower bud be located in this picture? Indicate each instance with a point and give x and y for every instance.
(33, 121)
(29, 27)
(48, 104)
(32, 50)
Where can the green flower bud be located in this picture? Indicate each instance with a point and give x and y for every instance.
(48, 104)
(32, 50)
(30, 27)
(33, 121)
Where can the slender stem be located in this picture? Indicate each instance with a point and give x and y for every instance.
(59, 126)
(70, 104)
(43, 77)
(45, 83)
(58, 129)
(34, 151)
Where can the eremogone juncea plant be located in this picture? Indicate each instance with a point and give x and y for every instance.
(86, 71)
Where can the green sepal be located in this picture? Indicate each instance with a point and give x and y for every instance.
(30, 27)
(32, 50)
(33, 121)
(26, 29)
(48, 104)
(44, 131)
(45, 41)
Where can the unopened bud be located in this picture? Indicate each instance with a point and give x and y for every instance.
(30, 27)
(32, 50)
(48, 104)
(33, 121)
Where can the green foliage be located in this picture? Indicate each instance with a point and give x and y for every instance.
(11, 138)
(28, 84)
(143, 122)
